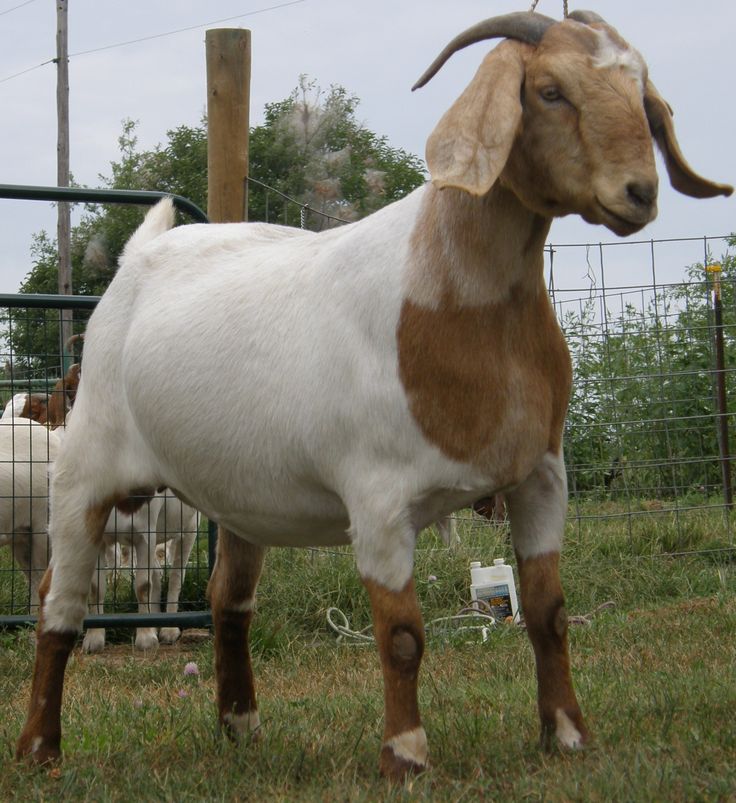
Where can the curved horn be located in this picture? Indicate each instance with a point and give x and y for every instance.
(586, 17)
(522, 25)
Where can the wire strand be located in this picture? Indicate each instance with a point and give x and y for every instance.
(184, 30)
(144, 38)
(15, 8)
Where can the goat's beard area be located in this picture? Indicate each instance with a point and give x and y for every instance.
(618, 225)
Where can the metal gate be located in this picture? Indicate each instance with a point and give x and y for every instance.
(165, 581)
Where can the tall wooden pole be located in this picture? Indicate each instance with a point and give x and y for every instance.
(63, 228)
(228, 119)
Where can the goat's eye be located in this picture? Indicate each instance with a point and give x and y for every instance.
(550, 94)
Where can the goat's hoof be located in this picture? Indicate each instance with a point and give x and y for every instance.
(568, 731)
(94, 642)
(36, 750)
(146, 640)
(242, 727)
(169, 635)
(397, 769)
(404, 755)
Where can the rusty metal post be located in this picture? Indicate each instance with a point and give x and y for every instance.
(720, 381)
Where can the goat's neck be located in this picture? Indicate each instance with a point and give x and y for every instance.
(469, 251)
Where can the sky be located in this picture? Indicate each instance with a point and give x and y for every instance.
(376, 50)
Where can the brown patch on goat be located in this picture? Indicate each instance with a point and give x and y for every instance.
(35, 408)
(231, 591)
(64, 393)
(399, 633)
(138, 497)
(543, 604)
(487, 384)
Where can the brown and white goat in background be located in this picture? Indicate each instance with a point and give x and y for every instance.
(348, 362)
(160, 520)
(26, 451)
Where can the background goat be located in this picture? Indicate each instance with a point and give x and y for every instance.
(26, 450)
(161, 520)
(349, 361)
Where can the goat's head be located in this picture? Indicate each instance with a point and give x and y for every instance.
(563, 114)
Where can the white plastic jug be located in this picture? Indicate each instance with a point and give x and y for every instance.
(495, 586)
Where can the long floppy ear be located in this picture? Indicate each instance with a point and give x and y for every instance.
(469, 146)
(682, 177)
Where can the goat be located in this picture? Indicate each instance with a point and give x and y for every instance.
(162, 519)
(26, 450)
(46, 409)
(349, 361)
(15, 406)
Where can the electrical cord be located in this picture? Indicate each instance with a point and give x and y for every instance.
(482, 620)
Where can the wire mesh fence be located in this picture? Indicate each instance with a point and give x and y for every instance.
(651, 328)
(155, 558)
(652, 335)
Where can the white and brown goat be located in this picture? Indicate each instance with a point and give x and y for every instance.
(349, 361)
(26, 451)
(157, 520)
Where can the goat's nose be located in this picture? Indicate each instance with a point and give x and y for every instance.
(642, 193)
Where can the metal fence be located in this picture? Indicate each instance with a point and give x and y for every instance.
(155, 562)
(652, 332)
(651, 328)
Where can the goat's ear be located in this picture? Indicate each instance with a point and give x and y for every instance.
(682, 177)
(469, 147)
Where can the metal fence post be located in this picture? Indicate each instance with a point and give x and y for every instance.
(720, 377)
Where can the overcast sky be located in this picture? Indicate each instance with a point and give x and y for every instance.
(375, 48)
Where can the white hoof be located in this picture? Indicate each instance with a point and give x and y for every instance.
(146, 639)
(567, 734)
(169, 635)
(94, 640)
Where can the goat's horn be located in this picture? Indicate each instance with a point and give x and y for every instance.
(586, 17)
(522, 25)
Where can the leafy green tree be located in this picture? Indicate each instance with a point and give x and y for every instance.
(312, 149)
(642, 418)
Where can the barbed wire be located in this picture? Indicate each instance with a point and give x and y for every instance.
(304, 209)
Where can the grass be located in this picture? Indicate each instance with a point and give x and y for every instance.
(656, 676)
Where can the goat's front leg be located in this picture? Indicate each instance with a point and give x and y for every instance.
(147, 587)
(181, 548)
(76, 532)
(385, 561)
(537, 510)
(232, 592)
(94, 637)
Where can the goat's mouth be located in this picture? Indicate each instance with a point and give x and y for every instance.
(619, 224)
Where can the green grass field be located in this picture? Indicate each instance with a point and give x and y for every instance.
(655, 674)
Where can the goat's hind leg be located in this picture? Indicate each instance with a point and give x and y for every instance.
(76, 534)
(537, 511)
(232, 590)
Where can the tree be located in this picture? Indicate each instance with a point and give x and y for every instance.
(343, 169)
(310, 147)
(642, 415)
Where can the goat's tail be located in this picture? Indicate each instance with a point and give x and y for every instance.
(156, 222)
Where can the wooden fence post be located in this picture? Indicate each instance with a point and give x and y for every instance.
(228, 119)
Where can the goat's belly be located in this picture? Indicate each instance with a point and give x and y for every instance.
(276, 530)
